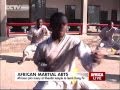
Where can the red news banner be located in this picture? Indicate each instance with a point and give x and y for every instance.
(97, 76)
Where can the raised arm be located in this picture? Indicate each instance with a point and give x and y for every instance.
(30, 34)
(117, 30)
(47, 31)
(86, 56)
(36, 56)
(39, 58)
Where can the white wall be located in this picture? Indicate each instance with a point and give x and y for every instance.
(18, 13)
(118, 16)
(60, 4)
(107, 5)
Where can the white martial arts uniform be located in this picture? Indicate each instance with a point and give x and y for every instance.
(36, 36)
(60, 58)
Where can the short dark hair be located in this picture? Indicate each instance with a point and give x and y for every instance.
(110, 22)
(57, 19)
(38, 20)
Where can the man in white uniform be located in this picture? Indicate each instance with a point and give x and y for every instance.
(57, 54)
(36, 35)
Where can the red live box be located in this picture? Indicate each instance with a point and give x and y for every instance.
(97, 76)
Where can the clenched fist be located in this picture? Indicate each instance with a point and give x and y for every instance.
(97, 56)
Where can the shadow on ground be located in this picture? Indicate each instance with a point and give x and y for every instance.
(10, 59)
(113, 58)
(109, 77)
(3, 38)
(113, 78)
(92, 33)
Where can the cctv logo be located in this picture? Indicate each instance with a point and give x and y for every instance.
(97, 76)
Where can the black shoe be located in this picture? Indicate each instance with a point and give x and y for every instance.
(117, 54)
(20, 62)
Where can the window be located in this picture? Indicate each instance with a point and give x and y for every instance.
(50, 11)
(37, 9)
(114, 15)
(103, 16)
(70, 12)
(93, 14)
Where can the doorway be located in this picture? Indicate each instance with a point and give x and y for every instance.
(70, 12)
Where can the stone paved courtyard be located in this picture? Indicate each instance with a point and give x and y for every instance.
(11, 52)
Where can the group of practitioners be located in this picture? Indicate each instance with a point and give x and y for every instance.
(54, 51)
